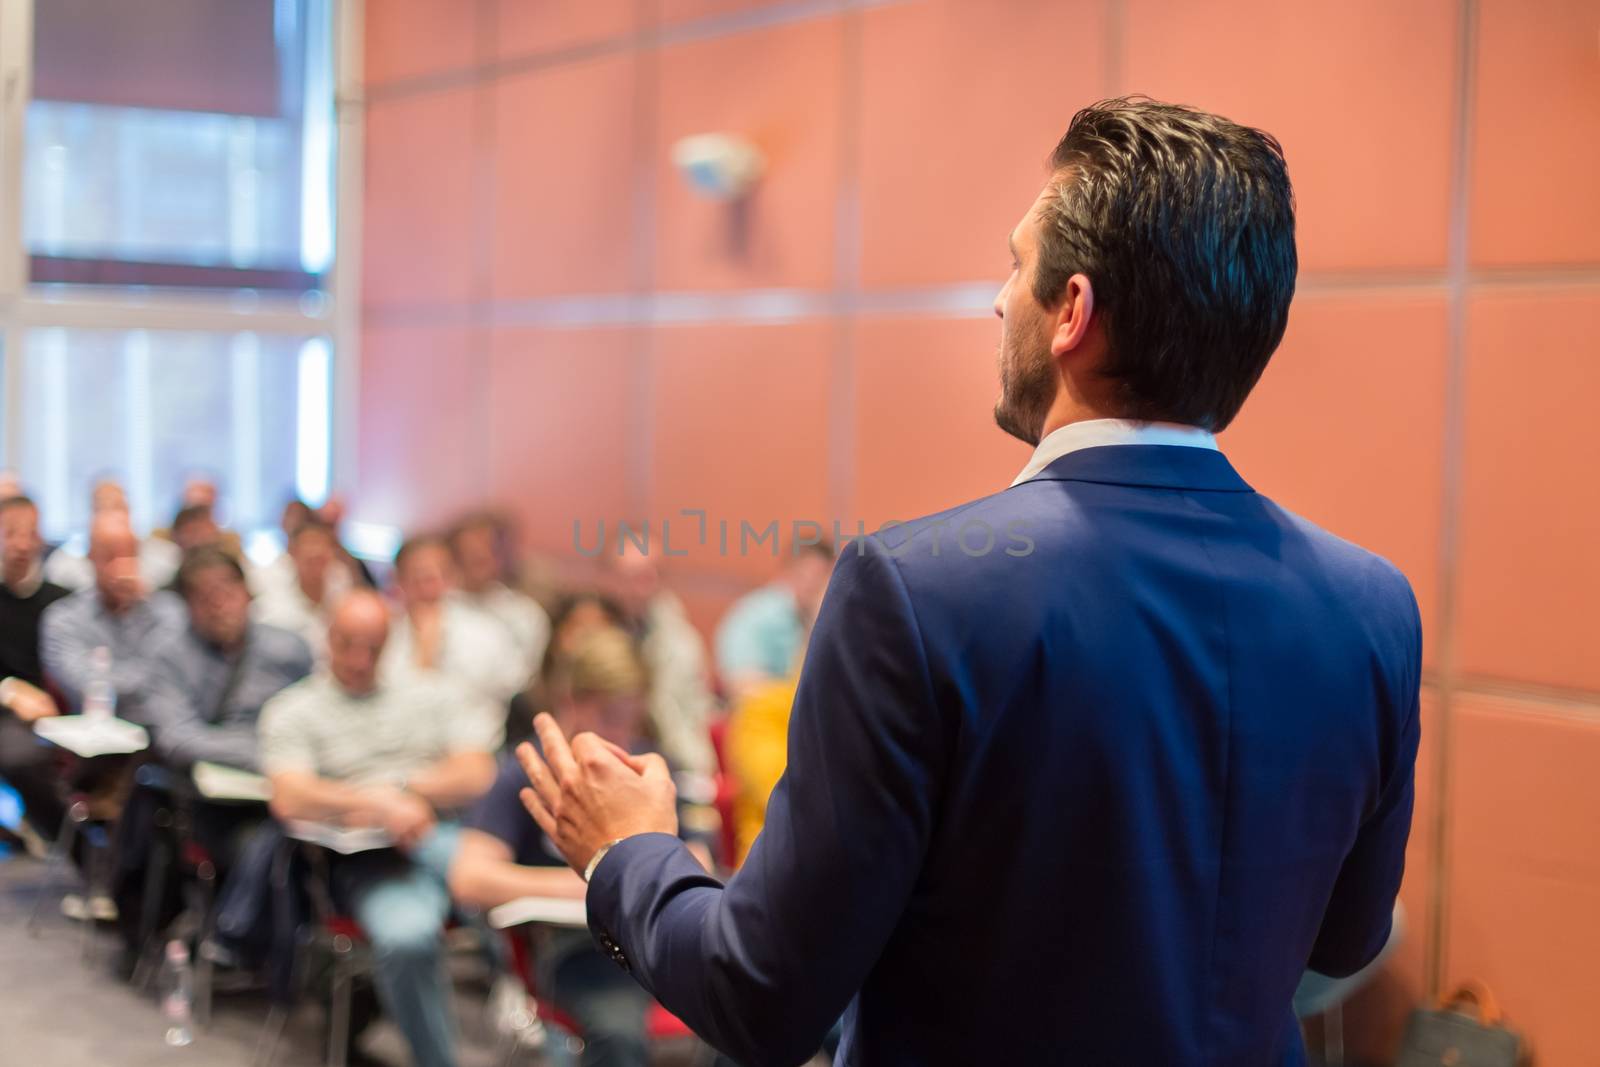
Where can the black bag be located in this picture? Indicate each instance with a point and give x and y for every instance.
(1452, 1037)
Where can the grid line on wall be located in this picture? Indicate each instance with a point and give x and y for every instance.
(1435, 943)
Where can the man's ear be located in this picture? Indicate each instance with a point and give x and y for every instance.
(1073, 315)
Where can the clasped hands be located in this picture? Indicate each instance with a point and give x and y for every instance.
(590, 792)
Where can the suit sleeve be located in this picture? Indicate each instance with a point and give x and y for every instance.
(1357, 920)
(763, 967)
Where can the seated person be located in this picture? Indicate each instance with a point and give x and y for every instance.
(681, 702)
(301, 601)
(601, 688)
(477, 546)
(211, 678)
(576, 616)
(24, 596)
(757, 752)
(762, 633)
(117, 614)
(207, 686)
(435, 632)
(346, 746)
(67, 566)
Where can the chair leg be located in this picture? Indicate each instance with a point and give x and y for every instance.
(1333, 1036)
(205, 967)
(59, 857)
(339, 1008)
(266, 1053)
(98, 877)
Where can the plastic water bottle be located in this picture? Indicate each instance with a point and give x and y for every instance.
(177, 994)
(100, 698)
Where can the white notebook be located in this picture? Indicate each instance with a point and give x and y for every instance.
(345, 840)
(218, 782)
(90, 737)
(552, 911)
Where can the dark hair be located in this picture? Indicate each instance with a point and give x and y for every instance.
(7, 503)
(416, 544)
(1184, 224)
(190, 513)
(204, 558)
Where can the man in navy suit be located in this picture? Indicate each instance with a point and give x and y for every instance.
(1089, 771)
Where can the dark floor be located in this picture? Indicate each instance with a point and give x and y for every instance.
(57, 1010)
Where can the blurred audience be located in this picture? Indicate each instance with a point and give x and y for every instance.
(434, 632)
(478, 544)
(347, 746)
(760, 636)
(110, 629)
(158, 558)
(24, 596)
(680, 693)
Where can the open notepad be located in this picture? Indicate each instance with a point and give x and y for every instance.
(552, 911)
(90, 737)
(342, 839)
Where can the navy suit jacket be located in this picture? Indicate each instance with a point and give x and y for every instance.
(1098, 794)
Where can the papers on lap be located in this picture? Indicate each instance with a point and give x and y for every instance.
(345, 840)
(553, 911)
(88, 737)
(218, 782)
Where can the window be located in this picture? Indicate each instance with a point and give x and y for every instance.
(153, 407)
(171, 311)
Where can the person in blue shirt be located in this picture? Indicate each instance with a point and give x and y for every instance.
(761, 635)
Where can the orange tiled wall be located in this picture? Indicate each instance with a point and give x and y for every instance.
(552, 320)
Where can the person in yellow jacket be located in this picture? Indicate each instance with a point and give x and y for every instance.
(757, 750)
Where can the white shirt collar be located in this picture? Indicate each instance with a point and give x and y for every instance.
(1093, 433)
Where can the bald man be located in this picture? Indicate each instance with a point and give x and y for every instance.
(344, 746)
(158, 557)
(115, 613)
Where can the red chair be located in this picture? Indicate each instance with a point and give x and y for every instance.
(661, 1026)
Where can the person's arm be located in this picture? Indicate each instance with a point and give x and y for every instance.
(1356, 922)
(455, 781)
(64, 651)
(763, 967)
(484, 874)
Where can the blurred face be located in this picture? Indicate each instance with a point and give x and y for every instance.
(634, 581)
(200, 491)
(1028, 373)
(312, 552)
(618, 718)
(108, 496)
(426, 575)
(585, 617)
(476, 558)
(19, 542)
(294, 516)
(114, 551)
(219, 606)
(356, 637)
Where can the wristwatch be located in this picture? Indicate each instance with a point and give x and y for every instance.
(600, 854)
